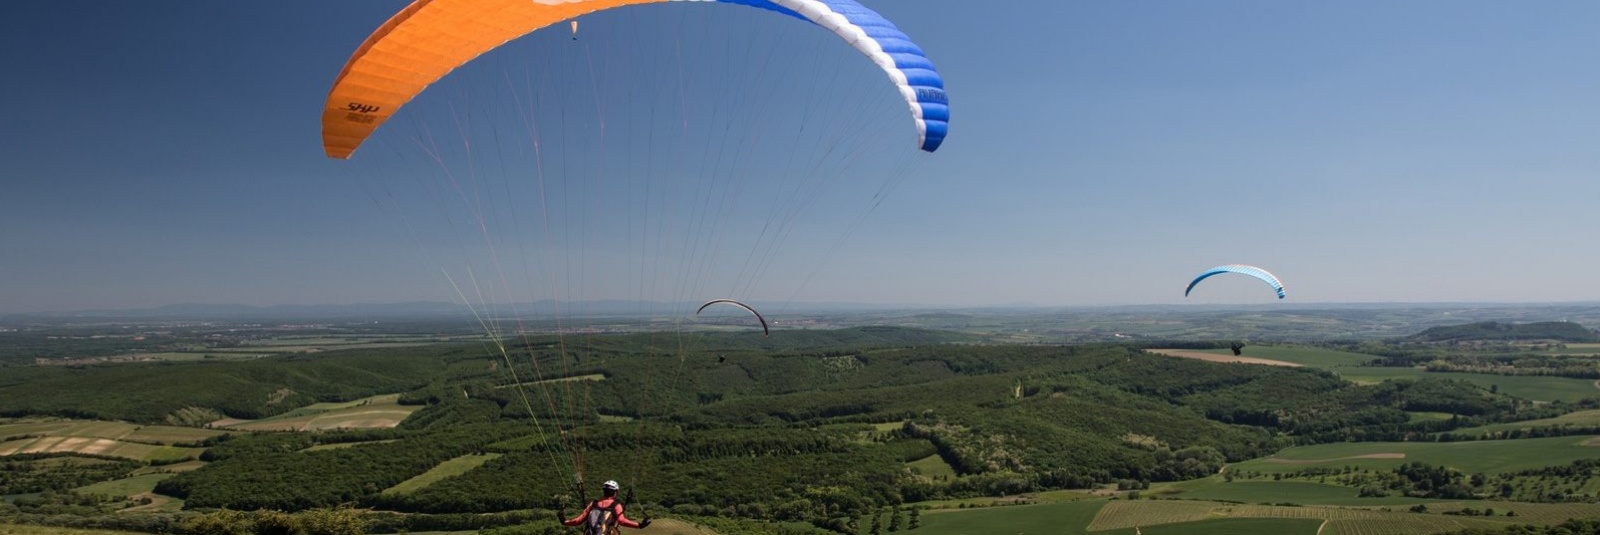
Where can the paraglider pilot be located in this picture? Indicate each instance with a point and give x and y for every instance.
(601, 517)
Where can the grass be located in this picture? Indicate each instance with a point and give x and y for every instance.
(1579, 418)
(1067, 517)
(98, 446)
(453, 467)
(1267, 491)
(176, 467)
(13, 529)
(1579, 349)
(343, 445)
(589, 377)
(1484, 456)
(1536, 388)
(123, 431)
(374, 412)
(1233, 526)
(1417, 416)
(888, 426)
(125, 487)
(1124, 515)
(932, 466)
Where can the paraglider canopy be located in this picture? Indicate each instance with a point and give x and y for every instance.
(764, 330)
(430, 38)
(1262, 274)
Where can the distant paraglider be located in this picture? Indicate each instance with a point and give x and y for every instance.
(1269, 278)
(764, 330)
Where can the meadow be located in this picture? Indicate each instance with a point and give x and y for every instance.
(451, 468)
(1484, 456)
(381, 411)
(1584, 418)
(1537, 388)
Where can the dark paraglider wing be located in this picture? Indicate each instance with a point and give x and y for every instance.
(764, 330)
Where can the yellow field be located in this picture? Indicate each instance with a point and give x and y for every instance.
(451, 468)
(122, 431)
(369, 413)
(97, 446)
(1213, 357)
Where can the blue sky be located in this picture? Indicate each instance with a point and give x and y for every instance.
(1100, 153)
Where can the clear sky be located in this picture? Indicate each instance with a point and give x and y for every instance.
(1100, 153)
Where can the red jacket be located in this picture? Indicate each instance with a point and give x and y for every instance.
(622, 520)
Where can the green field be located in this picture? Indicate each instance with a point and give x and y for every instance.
(1417, 416)
(97, 446)
(123, 431)
(13, 529)
(1232, 526)
(1579, 418)
(1536, 388)
(375, 412)
(125, 487)
(932, 466)
(453, 467)
(888, 426)
(1577, 349)
(1068, 517)
(1268, 491)
(343, 445)
(589, 377)
(1125, 515)
(1304, 356)
(170, 468)
(1155, 517)
(1252, 491)
(1482, 456)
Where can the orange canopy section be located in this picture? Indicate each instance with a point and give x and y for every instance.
(420, 45)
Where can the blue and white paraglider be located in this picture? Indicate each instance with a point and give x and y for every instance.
(1264, 275)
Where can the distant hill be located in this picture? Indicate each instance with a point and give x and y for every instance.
(1490, 330)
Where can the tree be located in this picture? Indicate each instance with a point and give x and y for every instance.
(894, 519)
(916, 517)
(877, 523)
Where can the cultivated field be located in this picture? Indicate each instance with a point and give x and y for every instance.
(1536, 388)
(1220, 357)
(1577, 349)
(97, 446)
(125, 487)
(121, 431)
(589, 377)
(453, 467)
(13, 529)
(374, 412)
(932, 466)
(1580, 418)
(1342, 520)
(1484, 456)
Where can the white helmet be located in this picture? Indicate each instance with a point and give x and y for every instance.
(610, 485)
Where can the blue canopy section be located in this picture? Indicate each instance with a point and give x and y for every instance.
(905, 63)
(1269, 278)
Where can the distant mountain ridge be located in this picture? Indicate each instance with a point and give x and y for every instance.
(1492, 330)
